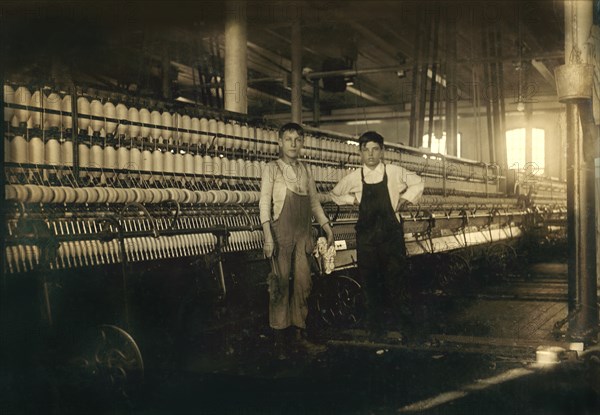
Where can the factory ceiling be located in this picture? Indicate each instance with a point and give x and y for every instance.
(132, 47)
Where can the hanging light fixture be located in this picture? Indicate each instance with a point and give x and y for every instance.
(519, 68)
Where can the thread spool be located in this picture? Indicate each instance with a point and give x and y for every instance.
(96, 160)
(204, 128)
(52, 102)
(229, 134)
(233, 172)
(97, 110)
(198, 165)
(166, 120)
(188, 164)
(258, 136)
(225, 168)
(110, 112)
(143, 117)
(32, 193)
(147, 163)
(110, 161)
(212, 132)
(83, 111)
(249, 169)
(36, 151)
(257, 169)
(237, 134)
(22, 97)
(177, 126)
(35, 113)
(59, 194)
(66, 106)
(221, 139)
(157, 163)
(123, 160)
(178, 164)
(217, 166)
(195, 127)
(186, 124)
(66, 153)
(122, 114)
(84, 158)
(209, 167)
(245, 142)
(274, 143)
(71, 195)
(241, 167)
(18, 150)
(52, 154)
(306, 147)
(168, 162)
(9, 98)
(135, 159)
(156, 120)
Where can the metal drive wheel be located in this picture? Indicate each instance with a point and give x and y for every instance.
(110, 362)
(456, 269)
(339, 301)
(500, 260)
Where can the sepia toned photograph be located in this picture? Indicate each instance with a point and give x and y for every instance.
(300, 207)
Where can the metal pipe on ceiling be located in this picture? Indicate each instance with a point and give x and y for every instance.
(351, 72)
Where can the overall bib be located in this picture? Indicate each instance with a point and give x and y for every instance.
(293, 240)
(381, 253)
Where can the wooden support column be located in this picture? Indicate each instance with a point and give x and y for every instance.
(236, 58)
(451, 88)
(296, 71)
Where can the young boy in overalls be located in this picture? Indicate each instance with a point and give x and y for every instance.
(288, 200)
(380, 190)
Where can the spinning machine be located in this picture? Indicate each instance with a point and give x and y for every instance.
(167, 194)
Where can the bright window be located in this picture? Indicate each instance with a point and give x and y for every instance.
(438, 145)
(516, 150)
(538, 154)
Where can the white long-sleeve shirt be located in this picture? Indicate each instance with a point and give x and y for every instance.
(276, 179)
(401, 184)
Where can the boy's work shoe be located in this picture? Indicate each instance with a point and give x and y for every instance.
(306, 345)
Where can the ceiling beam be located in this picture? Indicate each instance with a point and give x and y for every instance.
(544, 71)
(363, 95)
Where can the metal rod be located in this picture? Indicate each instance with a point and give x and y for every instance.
(572, 206)
(75, 134)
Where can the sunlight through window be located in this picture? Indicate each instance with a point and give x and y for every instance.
(516, 150)
(438, 145)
